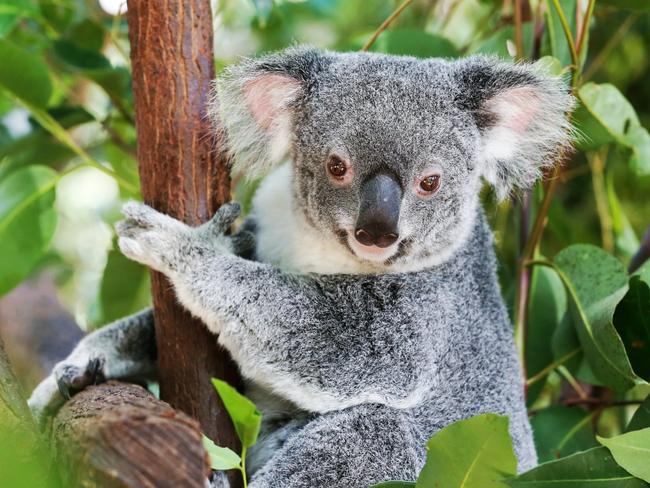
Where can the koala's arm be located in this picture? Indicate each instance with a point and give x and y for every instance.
(282, 329)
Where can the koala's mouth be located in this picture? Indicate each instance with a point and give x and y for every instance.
(375, 254)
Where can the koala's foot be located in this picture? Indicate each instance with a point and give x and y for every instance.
(68, 377)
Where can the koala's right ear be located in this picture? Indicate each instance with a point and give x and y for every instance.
(255, 102)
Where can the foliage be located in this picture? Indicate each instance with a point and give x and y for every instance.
(581, 317)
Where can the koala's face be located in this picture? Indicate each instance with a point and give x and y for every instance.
(388, 152)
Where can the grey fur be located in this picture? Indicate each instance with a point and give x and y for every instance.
(355, 371)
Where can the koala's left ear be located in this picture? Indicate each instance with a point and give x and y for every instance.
(255, 103)
(521, 114)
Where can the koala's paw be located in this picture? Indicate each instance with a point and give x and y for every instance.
(66, 379)
(239, 243)
(150, 237)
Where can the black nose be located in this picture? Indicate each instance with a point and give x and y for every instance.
(381, 197)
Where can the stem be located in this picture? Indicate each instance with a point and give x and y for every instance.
(242, 467)
(572, 381)
(519, 36)
(386, 23)
(585, 26)
(575, 59)
(551, 367)
(597, 165)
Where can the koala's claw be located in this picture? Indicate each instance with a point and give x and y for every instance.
(71, 379)
(225, 217)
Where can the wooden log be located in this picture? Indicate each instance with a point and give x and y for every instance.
(183, 173)
(119, 435)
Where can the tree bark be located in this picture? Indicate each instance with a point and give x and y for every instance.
(183, 173)
(118, 435)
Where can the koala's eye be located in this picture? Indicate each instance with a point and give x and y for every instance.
(337, 167)
(429, 184)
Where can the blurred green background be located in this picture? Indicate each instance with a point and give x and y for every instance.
(67, 161)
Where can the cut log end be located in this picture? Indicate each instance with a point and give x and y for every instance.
(119, 435)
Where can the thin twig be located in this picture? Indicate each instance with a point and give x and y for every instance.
(551, 367)
(596, 161)
(519, 35)
(584, 28)
(575, 58)
(386, 23)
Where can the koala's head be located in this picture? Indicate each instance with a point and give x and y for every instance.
(388, 152)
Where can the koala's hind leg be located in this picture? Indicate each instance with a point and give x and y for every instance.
(125, 349)
(352, 448)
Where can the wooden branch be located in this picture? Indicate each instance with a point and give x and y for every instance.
(184, 174)
(119, 435)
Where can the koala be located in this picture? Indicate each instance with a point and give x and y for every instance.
(367, 314)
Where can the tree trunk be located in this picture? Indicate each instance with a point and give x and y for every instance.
(118, 435)
(183, 173)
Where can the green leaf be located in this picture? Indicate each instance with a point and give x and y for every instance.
(27, 221)
(497, 43)
(596, 282)
(631, 451)
(632, 321)
(80, 57)
(594, 468)
(561, 431)
(556, 39)
(625, 238)
(641, 418)
(87, 34)
(476, 452)
(245, 416)
(415, 42)
(629, 4)
(548, 306)
(124, 289)
(24, 75)
(221, 458)
(605, 116)
(395, 484)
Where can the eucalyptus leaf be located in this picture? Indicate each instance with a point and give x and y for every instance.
(641, 418)
(471, 453)
(395, 484)
(124, 289)
(560, 431)
(27, 221)
(548, 305)
(557, 41)
(221, 458)
(595, 468)
(643, 5)
(24, 75)
(631, 451)
(415, 42)
(243, 413)
(596, 282)
(632, 321)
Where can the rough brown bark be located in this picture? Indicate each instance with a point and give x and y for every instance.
(118, 435)
(184, 174)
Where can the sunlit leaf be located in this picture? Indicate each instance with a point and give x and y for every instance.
(125, 287)
(244, 414)
(472, 453)
(27, 221)
(415, 42)
(24, 75)
(221, 458)
(594, 468)
(631, 451)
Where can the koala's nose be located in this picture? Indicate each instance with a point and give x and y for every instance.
(380, 196)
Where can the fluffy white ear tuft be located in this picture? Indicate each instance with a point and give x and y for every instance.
(522, 116)
(255, 103)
